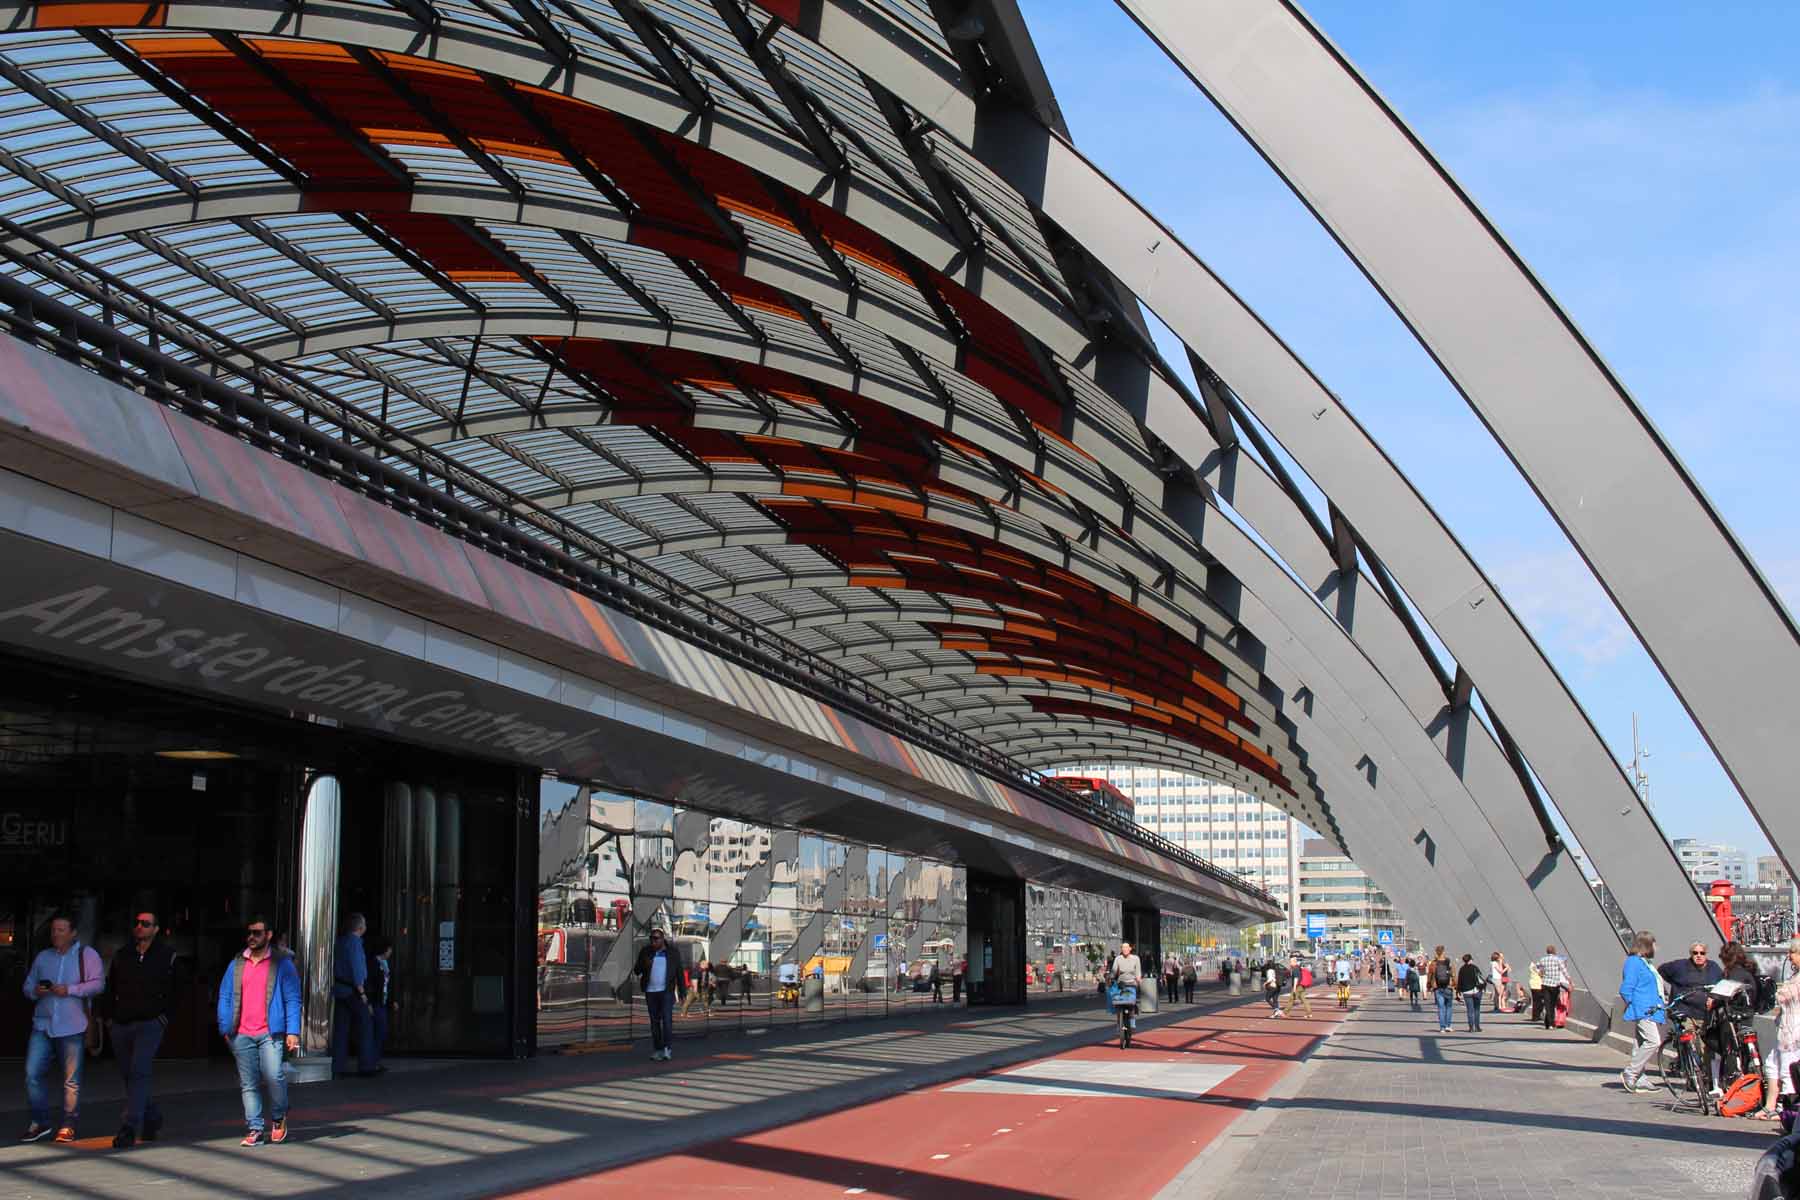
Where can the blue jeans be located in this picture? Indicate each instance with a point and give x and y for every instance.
(662, 1017)
(259, 1063)
(1472, 1009)
(345, 1011)
(1442, 996)
(38, 1053)
(135, 1042)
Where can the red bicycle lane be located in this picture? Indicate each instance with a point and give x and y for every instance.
(1096, 1121)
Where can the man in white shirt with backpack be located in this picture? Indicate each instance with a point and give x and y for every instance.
(61, 982)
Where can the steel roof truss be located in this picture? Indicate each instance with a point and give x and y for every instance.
(651, 31)
(97, 129)
(774, 69)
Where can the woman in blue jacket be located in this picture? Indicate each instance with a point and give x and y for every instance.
(1641, 990)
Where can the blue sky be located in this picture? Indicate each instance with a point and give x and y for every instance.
(1646, 163)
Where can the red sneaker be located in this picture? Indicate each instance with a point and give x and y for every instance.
(253, 1138)
(278, 1132)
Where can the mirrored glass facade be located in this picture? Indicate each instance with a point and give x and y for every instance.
(776, 926)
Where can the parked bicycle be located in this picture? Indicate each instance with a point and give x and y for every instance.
(1684, 1063)
(1770, 927)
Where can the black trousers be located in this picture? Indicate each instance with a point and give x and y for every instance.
(1546, 999)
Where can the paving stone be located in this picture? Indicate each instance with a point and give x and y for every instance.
(1389, 1109)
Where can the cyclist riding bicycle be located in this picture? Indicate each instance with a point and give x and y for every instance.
(1128, 977)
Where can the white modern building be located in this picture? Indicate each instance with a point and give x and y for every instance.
(1222, 825)
(1707, 861)
(1338, 905)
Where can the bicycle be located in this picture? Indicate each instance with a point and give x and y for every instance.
(1683, 1062)
(1123, 998)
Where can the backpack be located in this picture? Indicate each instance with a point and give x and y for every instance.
(1440, 974)
(1742, 1096)
(1306, 979)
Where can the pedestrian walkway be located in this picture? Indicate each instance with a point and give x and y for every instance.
(1092, 1122)
(1390, 1108)
(1215, 1101)
(487, 1128)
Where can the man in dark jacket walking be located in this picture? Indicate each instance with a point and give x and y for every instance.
(662, 977)
(140, 992)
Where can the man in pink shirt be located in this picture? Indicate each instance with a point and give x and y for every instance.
(259, 1014)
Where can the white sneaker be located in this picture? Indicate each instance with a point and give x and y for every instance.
(668, 1053)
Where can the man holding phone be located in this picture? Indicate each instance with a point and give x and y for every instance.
(60, 983)
(259, 1014)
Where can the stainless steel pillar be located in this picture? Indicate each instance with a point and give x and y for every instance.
(315, 937)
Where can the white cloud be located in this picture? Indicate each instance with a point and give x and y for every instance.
(1562, 605)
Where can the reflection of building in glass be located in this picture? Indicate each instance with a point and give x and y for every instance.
(1067, 937)
(763, 908)
(1340, 903)
(1230, 828)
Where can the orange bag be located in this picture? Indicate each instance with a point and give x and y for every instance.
(1744, 1096)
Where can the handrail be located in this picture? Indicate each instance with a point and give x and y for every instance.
(615, 577)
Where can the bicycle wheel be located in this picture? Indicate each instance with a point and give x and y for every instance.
(1673, 1073)
(1700, 1084)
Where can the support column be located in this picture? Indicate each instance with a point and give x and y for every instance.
(996, 940)
(1143, 929)
(316, 933)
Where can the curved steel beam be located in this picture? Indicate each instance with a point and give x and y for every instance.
(1243, 482)
(809, 367)
(508, 315)
(1457, 601)
(1684, 582)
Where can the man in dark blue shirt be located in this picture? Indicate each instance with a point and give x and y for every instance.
(1687, 974)
(350, 1002)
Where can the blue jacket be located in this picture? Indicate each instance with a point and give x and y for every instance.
(1638, 988)
(284, 997)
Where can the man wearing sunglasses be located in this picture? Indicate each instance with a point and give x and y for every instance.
(259, 1013)
(1696, 971)
(663, 978)
(140, 992)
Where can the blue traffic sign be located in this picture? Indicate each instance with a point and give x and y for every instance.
(1385, 936)
(1315, 925)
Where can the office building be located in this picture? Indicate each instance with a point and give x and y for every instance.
(1219, 823)
(1770, 872)
(1338, 905)
(1704, 862)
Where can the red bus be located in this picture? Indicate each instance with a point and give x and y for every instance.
(1100, 792)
